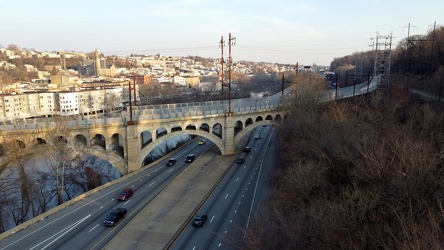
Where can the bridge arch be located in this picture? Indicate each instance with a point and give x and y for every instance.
(268, 119)
(38, 141)
(150, 147)
(80, 139)
(99, 140)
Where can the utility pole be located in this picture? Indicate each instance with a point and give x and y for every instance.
(297, 69)
(130, 106)
(231, 41)
(431, 52)
(222, 45)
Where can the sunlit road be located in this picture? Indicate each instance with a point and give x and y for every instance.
(230, 207)
(80, 225)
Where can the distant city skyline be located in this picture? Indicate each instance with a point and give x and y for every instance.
(281, 31)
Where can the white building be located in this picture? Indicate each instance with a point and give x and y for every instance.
(67, 103)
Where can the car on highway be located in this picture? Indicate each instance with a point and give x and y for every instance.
(202, 142)
(190, 158)
(171, 162)
(199, 220)
(257, 136)
(240, 160)
(125, 194)
(247, 149)
(114, 216)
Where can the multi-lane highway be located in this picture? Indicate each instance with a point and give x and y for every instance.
(232, 204)
(229, 208)
(80, 225)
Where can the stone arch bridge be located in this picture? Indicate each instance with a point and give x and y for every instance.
(125, 144)
(125, 139)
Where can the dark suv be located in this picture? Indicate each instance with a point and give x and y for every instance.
(190, 158)
(199, 220)
(114, 216)
(171, 162)
(247, 149)
(125, 194)
(240, 160)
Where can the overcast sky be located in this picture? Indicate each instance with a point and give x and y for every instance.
(275, 31)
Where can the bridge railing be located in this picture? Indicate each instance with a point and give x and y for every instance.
(179, 110)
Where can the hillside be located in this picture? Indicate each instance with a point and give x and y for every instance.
(365, 173)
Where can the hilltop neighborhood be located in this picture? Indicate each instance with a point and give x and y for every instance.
(78, 83)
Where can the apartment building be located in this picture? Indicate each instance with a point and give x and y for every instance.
(66, 103)
(20, 106)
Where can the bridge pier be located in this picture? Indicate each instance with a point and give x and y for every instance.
(228, 135)
(132, 150)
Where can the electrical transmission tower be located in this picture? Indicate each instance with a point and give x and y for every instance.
(383, 49)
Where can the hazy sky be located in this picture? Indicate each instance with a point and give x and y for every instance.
(276, 31)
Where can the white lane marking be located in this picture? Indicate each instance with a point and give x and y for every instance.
(170, 170)
(76, 209)
(219, 244)
(126, 202)
(101, 207)
(94, 228)
(69, 228)
(245, 166)
(151, 184)
(251, 157)
(141, 180)
(237, 179)
(226, 196)
(194, 247)
(212, 218)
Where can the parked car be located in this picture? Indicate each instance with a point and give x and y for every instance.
(247, 149)
(257, 136)
(171, 162)
(240, 160)
(199, 220)
(114, 216)
(202, 142)
(190, 158)
(125, 194)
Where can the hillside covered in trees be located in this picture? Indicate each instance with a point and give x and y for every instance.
(366, 172)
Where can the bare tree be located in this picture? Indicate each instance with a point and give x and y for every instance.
(60, 153)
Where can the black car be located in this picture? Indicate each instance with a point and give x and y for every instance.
(114, 216)
(190, 158)
(199, 220)
(247, 149)
(240, 160)
(171, 162)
